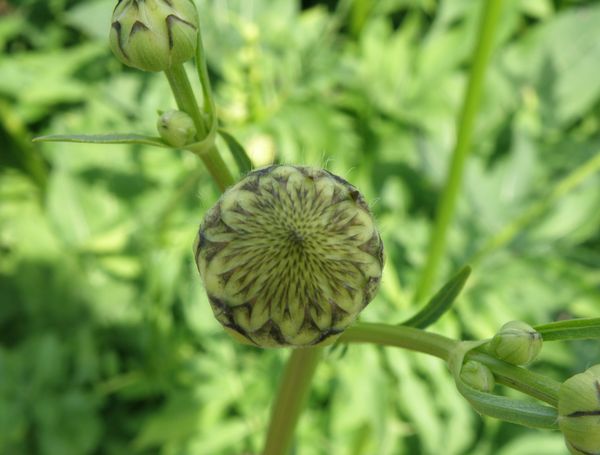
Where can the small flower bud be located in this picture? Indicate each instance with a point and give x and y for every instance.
(176, 128)
(517, 343)
(289, 256)
(153, 35)
(478, 376)
(579, 412)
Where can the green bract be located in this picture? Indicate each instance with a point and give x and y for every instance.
(517, 343)
(478, 376)
(176, 128)
(289, 256)
(153, 35)
(579, 411)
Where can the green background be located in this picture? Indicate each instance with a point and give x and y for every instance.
(107, 342)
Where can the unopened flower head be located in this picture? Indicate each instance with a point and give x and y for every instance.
(176, 128)
(154, 35)
(289, 256)
(478, 376)
(579, 412)
(517, 343)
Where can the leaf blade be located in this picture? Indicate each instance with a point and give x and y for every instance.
(441, 302)
(104, 139)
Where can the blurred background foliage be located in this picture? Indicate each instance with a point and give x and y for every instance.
(107, 342)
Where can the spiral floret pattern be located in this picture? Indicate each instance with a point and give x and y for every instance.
(289, 256)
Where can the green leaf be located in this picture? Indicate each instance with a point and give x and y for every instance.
(239, 153)
(573, 329)
(440, 302)
(104, 139)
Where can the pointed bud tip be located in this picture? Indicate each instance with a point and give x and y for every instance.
(153, 35)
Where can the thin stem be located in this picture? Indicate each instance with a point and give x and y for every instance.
(293, 391)
(400, 336)
(449, 195)
(186, 101)
(185, 98)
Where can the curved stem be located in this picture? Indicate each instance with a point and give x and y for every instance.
(400, 336)
(449, 195)
(293, 391)
(533, 384)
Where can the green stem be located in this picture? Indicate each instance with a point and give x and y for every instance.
(520, 379)
(533, 384)
(185, 98)
(449, 196)
(186, 101)
(293, 391)
(401, 337)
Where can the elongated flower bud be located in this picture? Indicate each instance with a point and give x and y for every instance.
(153, 35)
(478, 376)
(289, 256)
(517, 343)
(176, 128)
(579, 412)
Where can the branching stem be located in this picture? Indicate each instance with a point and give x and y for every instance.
(187, 102)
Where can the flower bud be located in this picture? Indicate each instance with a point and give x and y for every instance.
(579, 411)
(517, 343)
(153, 35)
(289, 256)
(176, 128)
(478, 376)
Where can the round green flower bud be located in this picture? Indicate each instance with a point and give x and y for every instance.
(517, 343)
(289, 256)
(478, 376)
(153, 35)
(579, 412)
(176, 128)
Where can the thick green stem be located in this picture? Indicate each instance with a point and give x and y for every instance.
(400, 336)
(293, 391)
(449, 195)
(186, 101)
